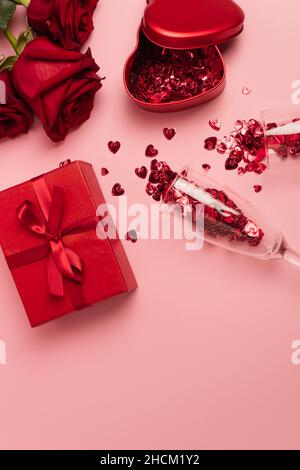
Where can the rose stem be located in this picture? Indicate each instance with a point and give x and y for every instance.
(11, 38)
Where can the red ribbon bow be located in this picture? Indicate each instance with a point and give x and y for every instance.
(62, 262)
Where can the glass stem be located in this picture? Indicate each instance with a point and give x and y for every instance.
(292, 257)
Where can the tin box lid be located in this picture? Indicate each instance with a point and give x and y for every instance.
(191, 24)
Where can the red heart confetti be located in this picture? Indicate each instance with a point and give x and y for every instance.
(157, 196)
(244, 148)
(151, 151)
(114, 147)
(141, 172)
(131, 236)
(161, 75)
(154, 164)
(117, 190)
(221, 147)
(210, 143)
(238, 125)
(246, 91)
(150, 189)
(215, 124)
(169, 133)
(283, 151)
(104, 171)
(257, 188)
(231, 163)
(159, 179)
(206, 167)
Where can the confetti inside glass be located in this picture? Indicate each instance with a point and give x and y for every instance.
(230, 221)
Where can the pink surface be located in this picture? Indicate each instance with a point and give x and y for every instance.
(200, 355)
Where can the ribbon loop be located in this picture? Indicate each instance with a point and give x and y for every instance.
(62, 261)
(31, 217)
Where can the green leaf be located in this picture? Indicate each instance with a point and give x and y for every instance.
(25, 37)
(8, 62)
(7, 9)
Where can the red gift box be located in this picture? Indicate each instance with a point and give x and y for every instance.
(180, 26)
(48, 237)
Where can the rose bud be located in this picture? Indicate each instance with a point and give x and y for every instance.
(15, 117)
(58, 85)
(69, 22)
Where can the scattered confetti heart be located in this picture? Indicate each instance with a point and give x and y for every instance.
(215, 124)
(150, 189)
(238, 125)
(154, 164)
(117, 190)
(131, 236)
(169, 133)
(244, 147)
(206, 167)
(114, 147)
(151, 151)
(104, 171)
(210, 143)
(257, 188)
(246, 91)
(141, 172)
(231, 163)
(157, 196)
(221, 147)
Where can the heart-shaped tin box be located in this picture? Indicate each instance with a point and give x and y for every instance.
(176, 63)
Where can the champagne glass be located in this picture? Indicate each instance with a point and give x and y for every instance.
(230, 221)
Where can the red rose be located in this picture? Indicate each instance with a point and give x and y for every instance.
(58, 85)
(70, 22)
(15, 117)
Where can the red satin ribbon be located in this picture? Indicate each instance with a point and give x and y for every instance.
(45, 222)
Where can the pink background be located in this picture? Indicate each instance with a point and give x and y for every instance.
(199, 356)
